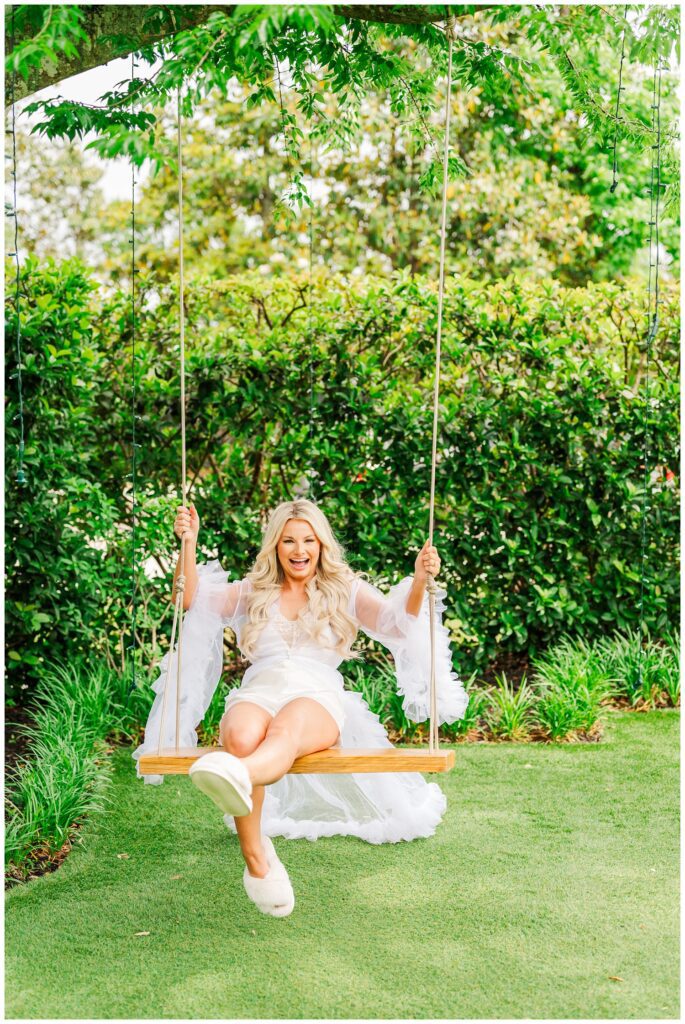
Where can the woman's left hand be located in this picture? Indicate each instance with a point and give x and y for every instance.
(427, 561)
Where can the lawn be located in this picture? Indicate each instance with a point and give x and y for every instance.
(550, 890)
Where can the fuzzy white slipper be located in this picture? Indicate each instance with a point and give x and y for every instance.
(225, 780)
(272, 894)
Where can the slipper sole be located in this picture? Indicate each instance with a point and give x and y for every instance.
(226, 793)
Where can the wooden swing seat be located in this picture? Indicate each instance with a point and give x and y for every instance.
(333, 761)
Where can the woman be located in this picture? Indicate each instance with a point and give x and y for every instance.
(295, 616)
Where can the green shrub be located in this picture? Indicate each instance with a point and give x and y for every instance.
(474, 716)
(374, 679)
(539, 481)
(561, 710)
(572, 683)
(574, 664)
(671, 681)
(56, 582)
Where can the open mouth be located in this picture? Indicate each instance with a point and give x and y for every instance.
(299, 563)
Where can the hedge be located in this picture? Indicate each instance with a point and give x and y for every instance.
(539, 477)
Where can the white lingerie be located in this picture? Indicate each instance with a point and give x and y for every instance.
(378, 808)
(279, 673)
(275, 687)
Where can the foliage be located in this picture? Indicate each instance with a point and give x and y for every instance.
(76, 710)
(259, 47)
(61, 202)
(500, 51)
(539, 481)
(61, 780)
(473, 722)
(375, 681)
(536, 196)
(572, 683)
(509, 712)
(57, 576)
(55, 30)
(649, 677)
(47, 798)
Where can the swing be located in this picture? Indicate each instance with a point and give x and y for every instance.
(334, 760)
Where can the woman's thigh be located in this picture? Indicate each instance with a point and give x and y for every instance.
(308, 723)
(243, 727)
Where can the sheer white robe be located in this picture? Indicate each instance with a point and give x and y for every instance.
(379, 808)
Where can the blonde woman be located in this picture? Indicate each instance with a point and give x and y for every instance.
(295, 616)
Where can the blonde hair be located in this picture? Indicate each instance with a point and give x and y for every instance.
(328, 590)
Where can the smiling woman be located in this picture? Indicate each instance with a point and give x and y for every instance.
(296, 615)
(298, 550)
(301, 562)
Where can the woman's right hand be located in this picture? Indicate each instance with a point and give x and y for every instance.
(187, 521)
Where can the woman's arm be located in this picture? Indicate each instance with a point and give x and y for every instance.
(187, 522)
(227, 599)
(385, 617)
(400, 620)
(427, 561)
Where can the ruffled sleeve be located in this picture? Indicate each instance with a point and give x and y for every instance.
(216, 604)
(407, 637)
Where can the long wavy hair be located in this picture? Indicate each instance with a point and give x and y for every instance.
(328, 590)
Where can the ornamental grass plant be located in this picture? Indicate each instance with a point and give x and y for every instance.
(62, 778)
(646, 679)
(510, 712)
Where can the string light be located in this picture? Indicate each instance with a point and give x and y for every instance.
(21, 475)
(652, 329)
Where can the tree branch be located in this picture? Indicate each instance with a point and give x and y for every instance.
(406, 14)
(111, 28)
(117, 30)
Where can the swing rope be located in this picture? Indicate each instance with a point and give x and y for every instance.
(14, 212)
(311, 494)
(177, 625)
(134, 444)
(431, 585)
(180, 579)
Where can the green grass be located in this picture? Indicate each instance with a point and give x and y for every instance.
(555, 868)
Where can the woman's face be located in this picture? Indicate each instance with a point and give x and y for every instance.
(298, 550)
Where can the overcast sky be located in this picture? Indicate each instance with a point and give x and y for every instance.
(88, 87)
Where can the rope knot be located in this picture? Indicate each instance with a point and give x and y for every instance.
(451, 29)
(180, 584)
(431, 585)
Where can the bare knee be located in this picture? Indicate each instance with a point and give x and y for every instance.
(240, 739)
(304, 726)
(287, 732)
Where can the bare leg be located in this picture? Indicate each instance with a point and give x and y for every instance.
(301, 727)
(242, 729)
(249, 829)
